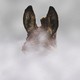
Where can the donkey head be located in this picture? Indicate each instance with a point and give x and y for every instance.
(45, 35)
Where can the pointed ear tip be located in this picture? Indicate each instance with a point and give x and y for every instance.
(29, 8)
(51, 8)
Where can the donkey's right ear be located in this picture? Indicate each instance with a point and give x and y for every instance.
(29, 19)
(52, 18)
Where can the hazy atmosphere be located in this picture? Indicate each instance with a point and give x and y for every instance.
(61, 64)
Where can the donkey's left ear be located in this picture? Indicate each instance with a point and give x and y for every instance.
(52, 18)
(29, 19)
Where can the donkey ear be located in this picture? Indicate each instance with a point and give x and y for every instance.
(52, 19)
(29, 20)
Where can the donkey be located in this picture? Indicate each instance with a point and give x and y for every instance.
(43, 36)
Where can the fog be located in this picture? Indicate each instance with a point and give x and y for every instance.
(60, 63)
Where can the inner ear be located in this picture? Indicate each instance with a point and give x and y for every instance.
(29, 19)
(50, 22)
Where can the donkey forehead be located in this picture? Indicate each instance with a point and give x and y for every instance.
(39, 31)
(39, 38)
(39, 34)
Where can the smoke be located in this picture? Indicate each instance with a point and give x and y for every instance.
(60, 63)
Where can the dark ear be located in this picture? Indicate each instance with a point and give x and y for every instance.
(29, 20)
(51, 20)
